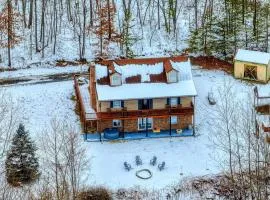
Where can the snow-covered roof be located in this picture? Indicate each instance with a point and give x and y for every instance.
(184, 87)
(264, 90)
(137, 69)
(252, 56)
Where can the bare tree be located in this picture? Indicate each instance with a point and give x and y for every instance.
(65, 163)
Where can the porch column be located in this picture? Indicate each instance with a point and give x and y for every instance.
(146, 122)
(194, 117)
(170, 125)
(100, 139)
(123, 122)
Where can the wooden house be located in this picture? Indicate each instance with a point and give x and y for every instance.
(141, 95)
(252, 65)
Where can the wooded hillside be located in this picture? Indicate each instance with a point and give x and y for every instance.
(50, 30)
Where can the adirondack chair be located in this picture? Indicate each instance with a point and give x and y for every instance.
(127, 166)
(161, 166)
(138, 160)
(153, 161)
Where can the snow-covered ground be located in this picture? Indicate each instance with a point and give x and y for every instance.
(41, 103)
(43, 71)
(189, 156)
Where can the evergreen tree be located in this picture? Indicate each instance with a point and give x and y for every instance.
(21, 162)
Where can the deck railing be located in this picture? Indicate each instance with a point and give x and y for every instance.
(133, 114)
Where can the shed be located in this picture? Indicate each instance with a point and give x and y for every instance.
(252, 65)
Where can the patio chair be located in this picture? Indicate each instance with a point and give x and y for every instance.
(127, 166)
(138, 160)
(161, 166)
(153, 161)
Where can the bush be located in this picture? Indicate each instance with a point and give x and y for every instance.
(96, 193)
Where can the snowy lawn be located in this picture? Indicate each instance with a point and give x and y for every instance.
(43, 71)
(188, 156)
(41, 103)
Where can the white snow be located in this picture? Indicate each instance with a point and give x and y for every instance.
(90, 112)
(145, 90)
(253, 56)
(40, 103)
(143, 70)
(42, 71)
(101, 71)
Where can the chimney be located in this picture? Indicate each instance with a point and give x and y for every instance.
(92, 85)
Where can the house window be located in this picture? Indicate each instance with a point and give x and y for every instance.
(173, 101)
(142, 123)
(250, 72)
(174, 120)
(116, 79)
(172, 76)
(116, 123)
(144, 104)
(116, 104)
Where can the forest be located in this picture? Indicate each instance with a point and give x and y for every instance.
(86, 29)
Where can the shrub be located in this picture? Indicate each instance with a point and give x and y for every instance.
(95, 193)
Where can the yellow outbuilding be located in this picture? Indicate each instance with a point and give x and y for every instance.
(252, 65)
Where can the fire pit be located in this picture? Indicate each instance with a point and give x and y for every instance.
(144, 174)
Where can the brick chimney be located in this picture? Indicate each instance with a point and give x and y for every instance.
(92, 85)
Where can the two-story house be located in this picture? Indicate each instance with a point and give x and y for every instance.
(143, 95)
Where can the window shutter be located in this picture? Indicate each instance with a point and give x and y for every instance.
(168, 101)
(179, 100)
(140, 102)
(122, 104)
(111, 104)
(150, 103)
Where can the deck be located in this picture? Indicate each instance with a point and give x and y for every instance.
(96, 137)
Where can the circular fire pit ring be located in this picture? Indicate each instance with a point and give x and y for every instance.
(144, 174)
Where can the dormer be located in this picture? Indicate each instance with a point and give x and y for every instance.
(172, 76)
(115, 79)
(171, 73)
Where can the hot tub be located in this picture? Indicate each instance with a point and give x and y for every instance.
(111, 133)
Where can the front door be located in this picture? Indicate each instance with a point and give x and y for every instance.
(144, 123)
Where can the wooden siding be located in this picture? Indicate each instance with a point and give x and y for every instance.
(186, 101)
(159, 103)
(103, 106)
(131, 104)
(261, 70)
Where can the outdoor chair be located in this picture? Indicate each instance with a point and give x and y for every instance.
(138, 160)
(127, 166)
(161, 166)
(153, 161)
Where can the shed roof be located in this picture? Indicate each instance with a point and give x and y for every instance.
(252, 56)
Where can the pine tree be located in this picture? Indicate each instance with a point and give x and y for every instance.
(21, 162)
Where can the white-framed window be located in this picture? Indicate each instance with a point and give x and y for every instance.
(142, 123)
(174, 119)
(116, 123)
(173, 101)
(172, 76)
(116, 104)
(116, 79)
